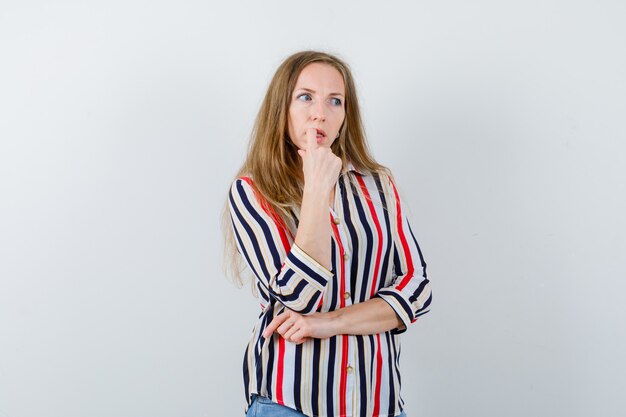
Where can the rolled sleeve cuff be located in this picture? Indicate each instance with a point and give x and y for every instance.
(400, 305)
(308, 268)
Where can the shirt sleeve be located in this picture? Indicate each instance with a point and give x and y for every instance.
(282, 269)
(410, 293)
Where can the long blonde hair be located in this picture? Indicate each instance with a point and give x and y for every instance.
(272, 160)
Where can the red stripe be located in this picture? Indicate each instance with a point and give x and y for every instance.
(280, 366)
(379, 231)
(342, 304)
(278, 221)
(405, 245)
(342, 266)
(280, 225)
(379, 371)
(344, 376)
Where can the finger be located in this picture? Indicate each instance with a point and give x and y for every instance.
(289, 334)
(277, 321)
(311, 138)
(299, 336)
(282, 329)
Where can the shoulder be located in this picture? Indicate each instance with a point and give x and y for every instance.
(241, 184)
(388, 183)
(384, 177)
(242, 191)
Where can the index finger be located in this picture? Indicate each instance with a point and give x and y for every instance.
(277, 321)
(311, 138)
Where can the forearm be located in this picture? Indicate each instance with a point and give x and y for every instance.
(370, 317)
(313, 235)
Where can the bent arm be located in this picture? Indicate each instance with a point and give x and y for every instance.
(369, 317)
(410, 293)
(314, 229)
(285, 271)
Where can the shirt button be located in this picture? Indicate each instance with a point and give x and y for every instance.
(336, 220)
(346, 256)
(349, 368)
(346, 295)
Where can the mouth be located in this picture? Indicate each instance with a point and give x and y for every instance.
(320, 133)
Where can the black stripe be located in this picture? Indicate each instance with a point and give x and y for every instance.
(260, 283)
(257, 250)
(392, 391)
(334, 287)
(354, 260)
(368, 247)
(270, 354)
(406, 307)
(297, 381)
(397, 266)
(267, 234)
(312, 304)
(419, 251)
(362, 381)
(418, 291)
(306, 269)
(300, 286)
(382, 280)
(246, 375)
(286, 276)
(315, 381)
(425, 306)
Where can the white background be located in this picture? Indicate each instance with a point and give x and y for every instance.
(122, 124)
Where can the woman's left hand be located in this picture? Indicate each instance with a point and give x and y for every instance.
(296, 328)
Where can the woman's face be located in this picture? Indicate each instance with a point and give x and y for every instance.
(317, 102)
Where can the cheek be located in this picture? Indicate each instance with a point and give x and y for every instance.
(291, 122)
(340, 119)
(296, 120)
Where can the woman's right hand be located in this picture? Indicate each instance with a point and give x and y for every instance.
(321, 167)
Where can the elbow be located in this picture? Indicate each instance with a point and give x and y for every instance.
(305, 302)
(422, 307)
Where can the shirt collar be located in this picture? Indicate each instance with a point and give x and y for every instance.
(350, 167)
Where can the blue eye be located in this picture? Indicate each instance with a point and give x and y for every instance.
(335, 101)
(301, 96)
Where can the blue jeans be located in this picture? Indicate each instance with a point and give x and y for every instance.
(264, 407)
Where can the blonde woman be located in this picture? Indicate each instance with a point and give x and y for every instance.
(321, 227)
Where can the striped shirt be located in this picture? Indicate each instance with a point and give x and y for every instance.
(374, 254)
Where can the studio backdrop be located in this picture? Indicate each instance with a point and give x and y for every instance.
(123, 123)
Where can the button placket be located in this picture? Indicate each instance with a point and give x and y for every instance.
(346, 255)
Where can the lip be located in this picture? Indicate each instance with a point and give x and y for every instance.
(321, 132)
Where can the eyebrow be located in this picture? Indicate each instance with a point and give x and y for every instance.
(313, 91)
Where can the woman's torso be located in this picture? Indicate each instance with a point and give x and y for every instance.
(346, 374)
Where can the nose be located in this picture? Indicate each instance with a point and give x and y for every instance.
(318, 111)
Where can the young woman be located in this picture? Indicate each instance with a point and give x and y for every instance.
(321, 226)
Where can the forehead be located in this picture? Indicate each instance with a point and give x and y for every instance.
(318, 76)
